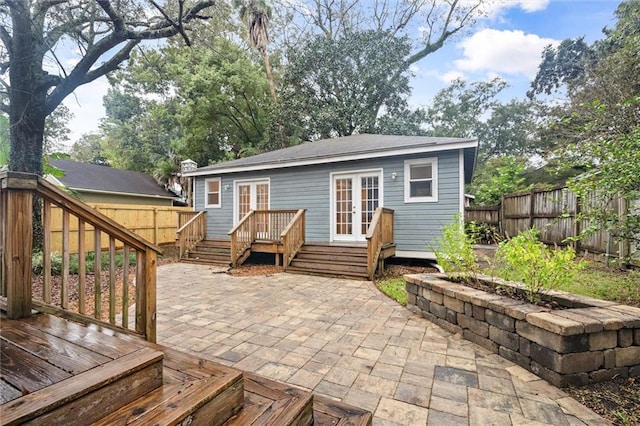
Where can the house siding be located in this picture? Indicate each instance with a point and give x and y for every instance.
(416, 225)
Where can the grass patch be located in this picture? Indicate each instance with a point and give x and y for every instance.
(608, 284)
(395, 289)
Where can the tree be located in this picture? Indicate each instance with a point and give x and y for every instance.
(474, 110)
(104, 31)
(207, 104)
(438, 21)
(335, 87)
(257, 15)
(88, 149)
(598, 127)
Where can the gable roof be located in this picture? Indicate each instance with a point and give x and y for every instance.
(102, 179)
(354, 147)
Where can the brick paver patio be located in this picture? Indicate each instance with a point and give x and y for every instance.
(346, 340)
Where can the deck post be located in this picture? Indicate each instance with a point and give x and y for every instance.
(17, 242)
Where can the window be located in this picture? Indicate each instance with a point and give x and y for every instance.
(213, 197)
(421, 180)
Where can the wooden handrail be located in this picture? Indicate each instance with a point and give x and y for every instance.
(18, 192)
(263, 225)
(192, 232)
(293, 237)
(379, 234)
(242, 236)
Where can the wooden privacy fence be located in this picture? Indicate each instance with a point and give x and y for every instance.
(157, 224)
(554, 213)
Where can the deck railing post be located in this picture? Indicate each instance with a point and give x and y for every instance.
(17, 242)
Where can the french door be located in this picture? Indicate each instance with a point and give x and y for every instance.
(252, 195)
(355, 198)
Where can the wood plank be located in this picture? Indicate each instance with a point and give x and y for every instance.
(17, 253)
(65, 355)
(25, 371)
(97, 267)
(64, 291)
(46, 250)
(82, 294)
(8, 392)
(96, 341)
(112, 280)
(330, 412)
(220, 398)
(89, 396)
(290, 406)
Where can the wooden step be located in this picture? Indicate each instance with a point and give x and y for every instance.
(214, 257)
(327, 248)
(333, 258)
(267, 402)
(327, 412)
(215, 242)
(89, 396)
(195, 391)
(328, 269)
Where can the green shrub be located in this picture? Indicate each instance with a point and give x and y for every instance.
(454, 250)
(526, 259)
(74, 266)
(483, 233)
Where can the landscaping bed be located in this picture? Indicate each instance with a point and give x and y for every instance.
(589, 341)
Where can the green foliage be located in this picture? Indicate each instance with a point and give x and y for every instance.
(56, 262)
(208, 104)
(483, 233)
(474, 110)
(454, 250)
(497, 177)
(395, 289)
(338, 86)
(5, 143)
(615, 285)
(525, 259)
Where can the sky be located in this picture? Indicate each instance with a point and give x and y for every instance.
(507, 44)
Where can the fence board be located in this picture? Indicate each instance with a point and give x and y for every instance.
(157, 224)
(554, 213)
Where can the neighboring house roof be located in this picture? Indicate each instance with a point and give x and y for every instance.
(102, 179)
(346, 148)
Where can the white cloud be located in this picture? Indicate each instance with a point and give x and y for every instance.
(502, 52)
(86, 105)
(495, 8)
(450, 76)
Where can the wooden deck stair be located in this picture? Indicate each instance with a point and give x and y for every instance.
(57, 372)
(331, 260)
(211, 252)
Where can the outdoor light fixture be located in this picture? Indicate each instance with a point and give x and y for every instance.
(394, 175)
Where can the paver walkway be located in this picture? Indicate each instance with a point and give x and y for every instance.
(346, 340)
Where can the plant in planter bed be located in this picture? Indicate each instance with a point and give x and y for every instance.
(589, 340)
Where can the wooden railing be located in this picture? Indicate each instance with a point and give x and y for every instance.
(293, 237)
(192, 232)
(258, 225)
(379, 235)
(186, 216)
(66, 285)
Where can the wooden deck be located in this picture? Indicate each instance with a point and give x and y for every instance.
(57, 372)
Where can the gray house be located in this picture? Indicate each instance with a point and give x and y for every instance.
(340, 183)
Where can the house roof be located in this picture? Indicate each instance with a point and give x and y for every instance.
(345, 148)
(102, 179)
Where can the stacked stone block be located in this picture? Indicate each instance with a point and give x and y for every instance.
(590, 340)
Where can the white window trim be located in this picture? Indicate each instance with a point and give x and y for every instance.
(206, 193)
(433, 161)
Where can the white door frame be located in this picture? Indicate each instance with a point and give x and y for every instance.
(356, 223)
(253, 183)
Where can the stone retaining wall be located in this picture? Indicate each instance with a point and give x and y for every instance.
(590, 341)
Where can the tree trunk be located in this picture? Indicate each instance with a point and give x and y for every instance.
(27, 93)
(267, 67)
(27, 96)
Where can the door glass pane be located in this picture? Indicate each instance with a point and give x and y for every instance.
(370, 200)
(262, 203)
(244, 200)
(344, 219)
